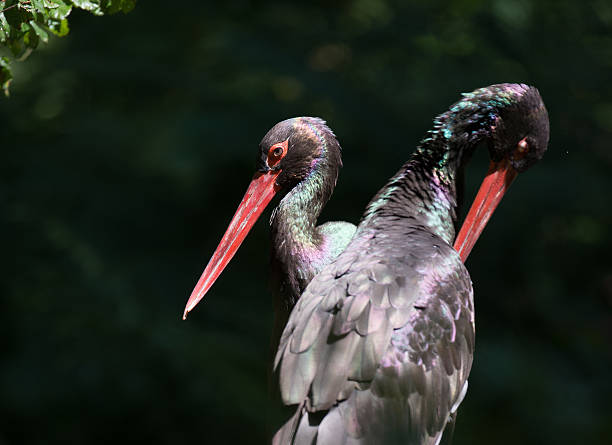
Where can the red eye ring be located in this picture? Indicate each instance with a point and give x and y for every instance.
(277, 152)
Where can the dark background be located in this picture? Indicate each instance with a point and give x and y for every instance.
(127, 146)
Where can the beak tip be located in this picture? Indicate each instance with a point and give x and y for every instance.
(190, 305)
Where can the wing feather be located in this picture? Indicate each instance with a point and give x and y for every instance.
(379, 346)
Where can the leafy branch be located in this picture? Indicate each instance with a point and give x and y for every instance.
(26, 23)
(14, 6)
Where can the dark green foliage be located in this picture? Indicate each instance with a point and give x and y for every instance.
(26, 23)
(127, 146)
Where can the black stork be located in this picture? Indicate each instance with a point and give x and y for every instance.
(379, 345)
(301, 159)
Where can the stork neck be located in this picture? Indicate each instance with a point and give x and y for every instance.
(296, 241)
(295, 218)
(424, 191)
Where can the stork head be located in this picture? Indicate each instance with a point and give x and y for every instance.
(288, 154)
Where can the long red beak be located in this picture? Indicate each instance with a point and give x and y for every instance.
(492, 190)
(260, 192)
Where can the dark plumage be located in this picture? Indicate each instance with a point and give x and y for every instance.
(379, 346)
(308, 175)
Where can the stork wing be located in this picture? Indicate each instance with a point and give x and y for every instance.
(379, 346)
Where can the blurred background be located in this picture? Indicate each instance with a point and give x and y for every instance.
(127, 145)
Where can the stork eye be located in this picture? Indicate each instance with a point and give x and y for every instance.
(276, 153)
(522, 148)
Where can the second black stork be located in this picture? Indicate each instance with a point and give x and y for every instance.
(378, 347)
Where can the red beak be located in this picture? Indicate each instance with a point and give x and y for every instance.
(260, 192)
(492, 190)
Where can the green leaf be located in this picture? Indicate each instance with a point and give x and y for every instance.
(5, 27)
(16, 15)
(110, 6)
(58, 27)
(40, 12)
(87, 5)
(5, 75)
(29, 37)
(40, 32)
(115, 6)
(58, 10)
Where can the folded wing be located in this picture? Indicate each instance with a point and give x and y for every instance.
(379, 346)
